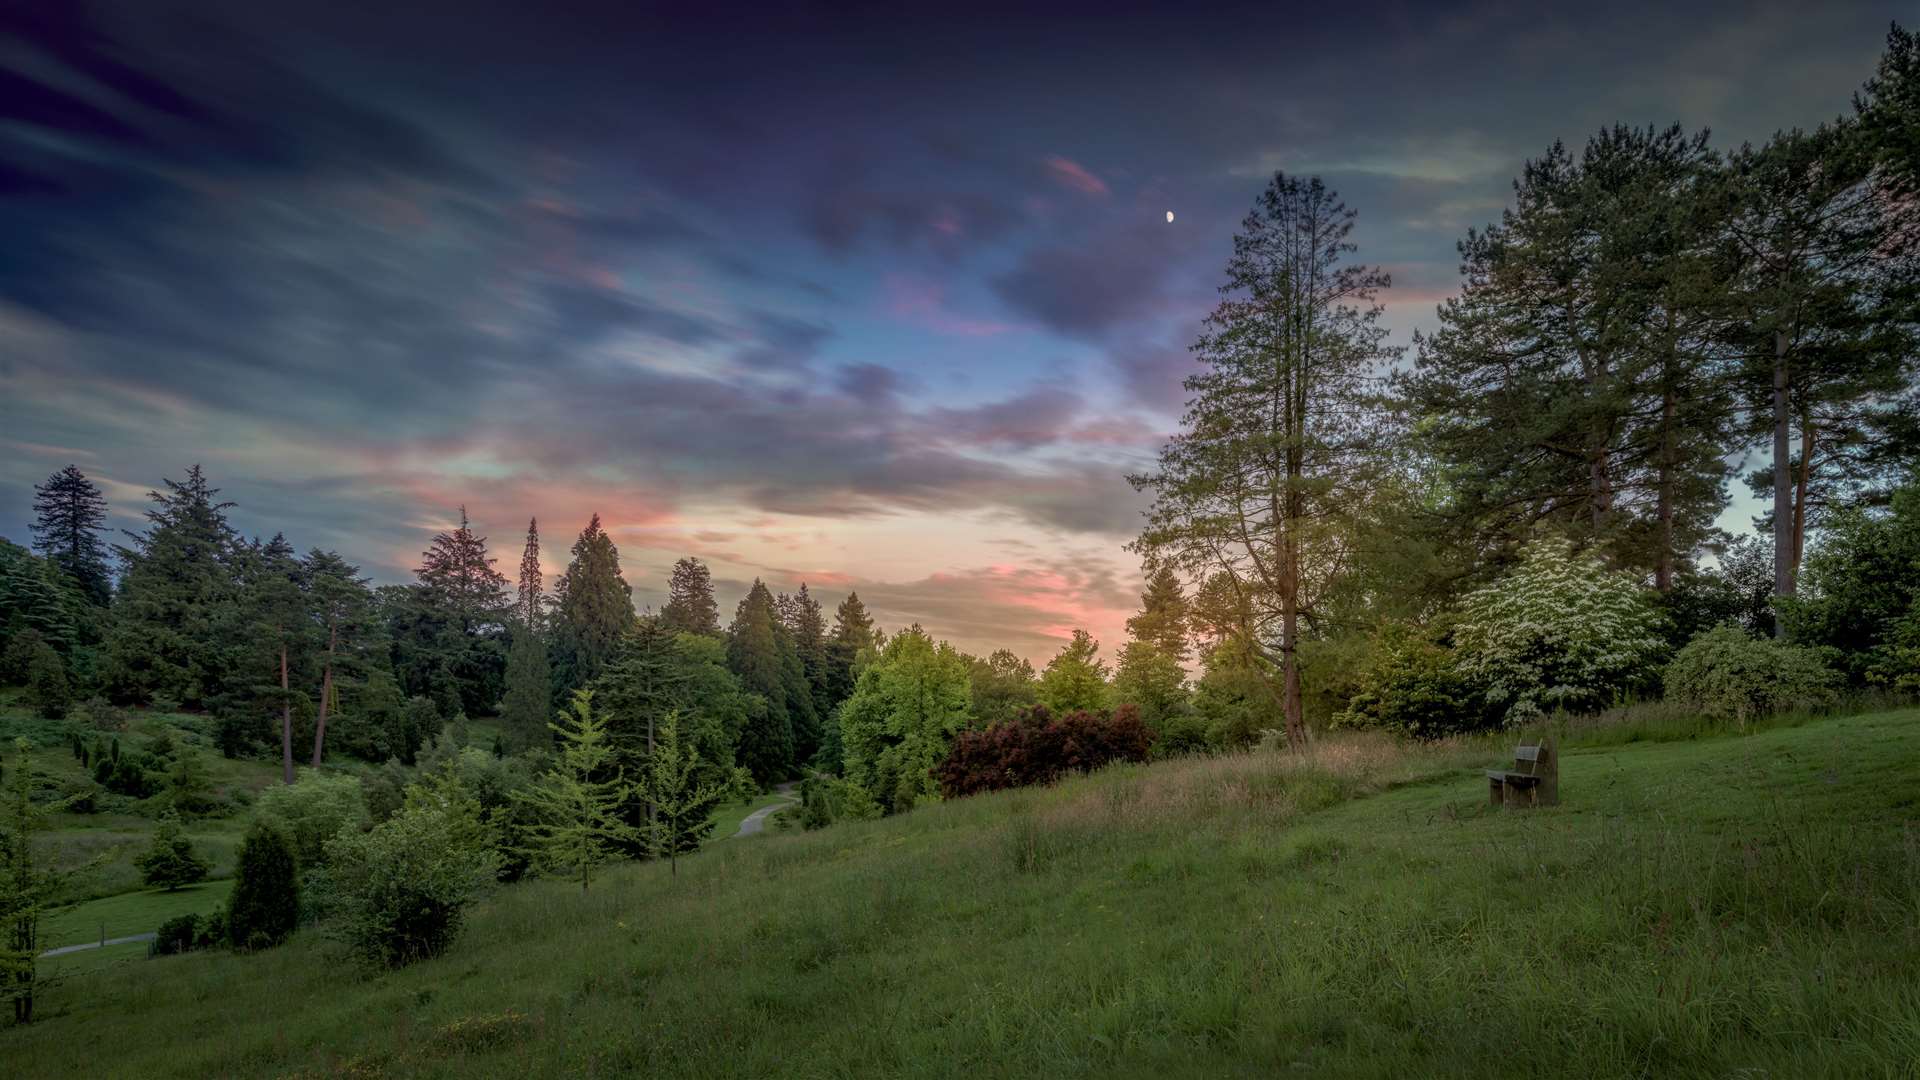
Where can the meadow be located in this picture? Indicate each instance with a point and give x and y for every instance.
(1701, 904)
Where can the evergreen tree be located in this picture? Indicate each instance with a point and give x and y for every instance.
(275, 599)
(170, 861)
(530, 605)
(343, 608)
(576, 803)
(461, 577)
(177, 611)
(1162, 620)
(27, 887)
(1003, 686)
(853, 638)
(690, 604)
(593, 608)
(36, 598)
(1151, 679)
(529, 685)
(1076, 678)
(264, 907)
(1889, 110)
(806, 626)
(681, 802)
(446, 633)
(754, 652)
(70, 513)
(1280, 432)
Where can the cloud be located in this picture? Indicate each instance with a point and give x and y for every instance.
(1071, 174)
(1091, 286)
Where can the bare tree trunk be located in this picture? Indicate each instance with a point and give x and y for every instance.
(1663, 570)
(1782, 481)
(326, 697)
(1800, 501)
(286, 719)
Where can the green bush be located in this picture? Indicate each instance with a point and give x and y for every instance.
(311, 811)
(398, 893)
(1410, 683)
(265, 905)
(1731, 675)
(177, 935)
(170, 861)
(47, 685)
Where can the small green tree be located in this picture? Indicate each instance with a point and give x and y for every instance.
(681, 802)
(26, 886)
(1731, 675)
(1076, 678)
(575, 805)
(313, 811)
(265, 905)
(170, 861)
(399, 893)
(47, 684)
(189, 790)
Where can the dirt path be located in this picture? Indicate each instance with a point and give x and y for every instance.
(65, 949)
(757, 820)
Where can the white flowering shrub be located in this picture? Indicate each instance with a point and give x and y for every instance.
(1560, 632)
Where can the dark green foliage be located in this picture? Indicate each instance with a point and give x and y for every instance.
(1004, 685)
(179, 934)
(399, 893)
(757, 652)
(690, 606)
(593, 607)
(38, 603)
(1728, 674)
(529, 687)
(808, 670)
(70, 513)
(124, 775)
(853, 641)
(1738, 591)
(47, 685)
(264, 907)
(1860, 593)
(447, 634)
(170, 861)
(1411, 684)
(529, 606)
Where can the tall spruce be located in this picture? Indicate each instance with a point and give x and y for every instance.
(178, 600)
(461, 576)
(593, 607)
(1280, 433)
(529, 606)
(853, 636)
(1163, 617)
(342, 606)
(755, 653)
(690, 604)
(70, 513)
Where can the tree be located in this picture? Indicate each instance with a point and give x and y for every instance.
(530, 605)
(343, 607)
(177, 609)
(1076, 678)
(1163, 617)
(70, 513)
(264, 907)
(1862, 593)
(681, 802)
(757, 654)
(593, 608)
(27, 886)
(1889, 110)
(170, 861)
(690, 604)
(576, 803)
(529, 685)
(806, 628)
(48, 687)
(399, 892)
(460, 574)
(275, 598)
(1004, 685)
(313, 811)
(900, 721)
(1152, 680)
(853, 640)
(1278, 435)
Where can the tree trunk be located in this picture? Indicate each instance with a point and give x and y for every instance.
(1663, 570)
(326, 697)
(1800, 502)
(286, 720)
(1782, 481)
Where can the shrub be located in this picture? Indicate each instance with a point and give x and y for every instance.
(170, 861)
(1559, 632)
(1411, 684)
(311, 811)
(123, 774)
(399, 893)
(1038, 748)
(102, 715)
(265, 905)
(47, 685)
(827, 799)
(1730, 675)
(177, 935)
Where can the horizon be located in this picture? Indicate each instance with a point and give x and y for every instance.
(733, 299)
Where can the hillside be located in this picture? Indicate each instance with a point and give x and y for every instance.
(1724, 906)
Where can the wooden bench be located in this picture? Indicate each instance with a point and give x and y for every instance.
(1534, 779)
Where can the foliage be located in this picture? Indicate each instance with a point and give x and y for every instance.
(1730, 675)
(177, 935)
(69, 514)
(47, 685)
(1860, 592)
(264, 906)
(529, 687)
(690, 606)
(28, 886)
(314, 810)
(1151, 680)
(1039, 748)
(906, 707)
(1560, 632)
(1003, 685)
(575, 805)
(1076, 678)
(758, 651)
(827, 799)
(679, 802)
(1412, 684)
(1234, 698)
(170, 860)
(593, 607)
(399, 892)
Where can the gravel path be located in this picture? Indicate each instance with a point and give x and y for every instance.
(65, 949)
(757, 820)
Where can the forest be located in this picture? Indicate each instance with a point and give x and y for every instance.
(1511, 522)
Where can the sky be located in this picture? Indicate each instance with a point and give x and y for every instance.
(863, 299)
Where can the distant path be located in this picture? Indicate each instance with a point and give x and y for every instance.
(755, 821)
(65, 949)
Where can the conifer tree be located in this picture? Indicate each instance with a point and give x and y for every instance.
(460, 574)
(1163, 617)
(754, 654)
(690, 604)
(276, 600)
(342, 606)
(178, 611)
(853, 636)
(264, 907)
(70, 513)
(170, 861)
(577, 826)
(529, 685)
(593, 608)
(1076, 678)
(680, 800)
(530, 605)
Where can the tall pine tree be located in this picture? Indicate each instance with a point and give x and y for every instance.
(70, 513)
(530, 604)
(754, 652)
(1163, 617)
(342, 606)
(690, 604)
(593, 607)
(178, 598)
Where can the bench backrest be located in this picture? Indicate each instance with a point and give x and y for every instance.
(1526, 759)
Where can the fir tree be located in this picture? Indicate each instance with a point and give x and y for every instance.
(690, 604)
(461, 576)
(170, 861)
(177, 615)
(1076, 678)
(1162, 620)
(576, 803)
(70, 513)
(593, 608)
(264, 907)
(853, 637)
(754, 652)
(529, 685)
(680, 801)
(529, 607)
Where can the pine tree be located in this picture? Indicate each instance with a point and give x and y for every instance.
(460, 573)
(853, 637)
(1279, 432)
(807, 627)
(342, 606)
(530, 605)
(576, 803)
(177, 615)
(264, 907)
(1162, 620)
(1076, 678)
(529, 685)
(170, 861)
(690, 604)
(754, 654)
(1889, 111)
(593, 608)
(681, 802)
(276, 601)
(70, 513)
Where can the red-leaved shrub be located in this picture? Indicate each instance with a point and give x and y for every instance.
(1038, 748)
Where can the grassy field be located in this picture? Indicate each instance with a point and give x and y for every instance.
(1727, 906)
(727, 819)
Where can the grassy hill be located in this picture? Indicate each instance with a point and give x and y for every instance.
(1728, 906)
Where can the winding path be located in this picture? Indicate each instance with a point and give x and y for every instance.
(757, 820)
(65, 949)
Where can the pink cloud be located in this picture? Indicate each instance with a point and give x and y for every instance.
(1072, 174)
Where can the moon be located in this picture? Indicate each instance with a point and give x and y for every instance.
(1169, 217)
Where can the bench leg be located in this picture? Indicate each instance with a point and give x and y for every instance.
(1518, 796)
(1495, 791)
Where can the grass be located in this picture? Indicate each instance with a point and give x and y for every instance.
(130, 913)
(1727, 906)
